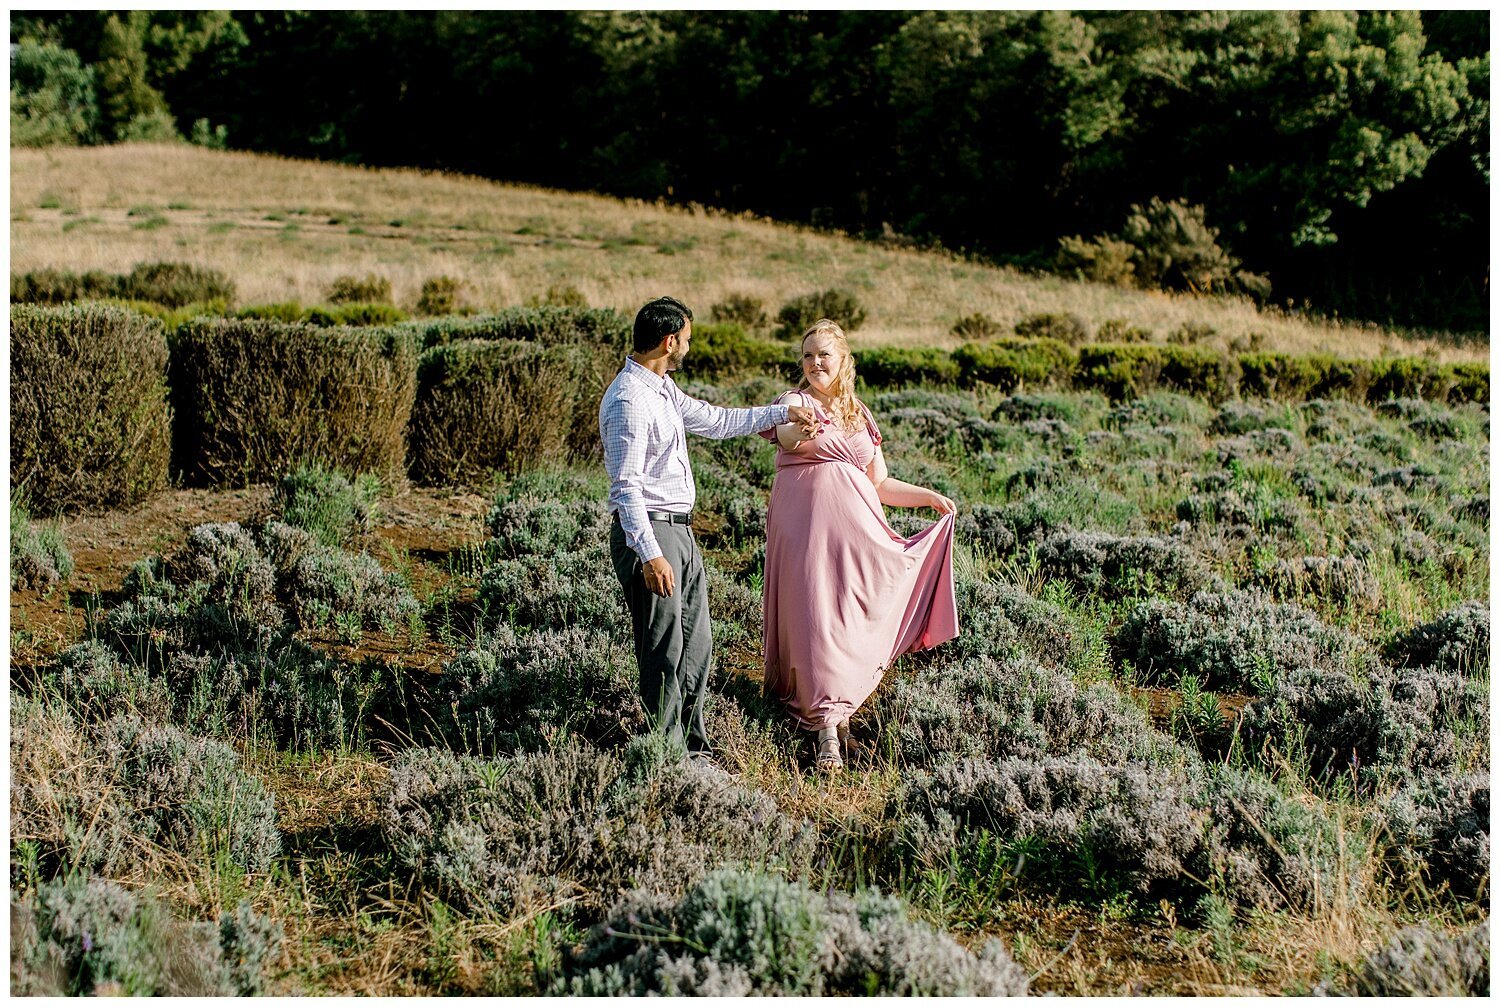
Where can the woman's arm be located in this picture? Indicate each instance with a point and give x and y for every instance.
(790, 434)
(895, 493)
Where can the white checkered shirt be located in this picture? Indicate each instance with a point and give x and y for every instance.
(642, 421)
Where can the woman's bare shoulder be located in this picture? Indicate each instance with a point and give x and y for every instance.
(794, 397)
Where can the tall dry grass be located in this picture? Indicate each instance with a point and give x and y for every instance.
(284, 229)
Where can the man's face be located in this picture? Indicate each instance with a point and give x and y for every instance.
(677, 345)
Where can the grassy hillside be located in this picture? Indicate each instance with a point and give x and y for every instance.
(283, 230)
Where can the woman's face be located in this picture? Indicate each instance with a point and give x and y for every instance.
(821, 361)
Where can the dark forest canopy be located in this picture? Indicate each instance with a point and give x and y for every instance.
(1343, 156)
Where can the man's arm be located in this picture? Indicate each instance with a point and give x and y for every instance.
(623, 427)
(705, 420)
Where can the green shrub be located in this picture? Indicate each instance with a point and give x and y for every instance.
(894, 366)
(156, 126)
(486, 406)
(602, 327)
(799, 313)
(560, 295)
(1191, 334)
(369, 289)
(1410, 377)
(1281, 375)
(975, 326)
(1470, 383)
(1175, 249)
(175, 284)
(739, 309)
(60, 286)
(327, 503)
(90, 424)
(439, 296)
(1064, 327)
(1127, 372)
(1117, 330)
(258, 398)
(1008, 363)
(357, 315)
(286, 312)
(39, 558)
(1100, 260)
(86, 936)
(723, 349)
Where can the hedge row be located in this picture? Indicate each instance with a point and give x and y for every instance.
(454, 399)
(1130, 370)
(491, 405)
(89, 420)
(92, 424)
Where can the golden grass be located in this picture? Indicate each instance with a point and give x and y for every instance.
(284, 229)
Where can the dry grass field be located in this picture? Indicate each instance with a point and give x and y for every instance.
(284, 229)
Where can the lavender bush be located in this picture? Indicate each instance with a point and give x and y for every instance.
(1439, 833)
(739, 933)
(984, 708)
(521, 691)
(90, 936)
(1422, 962)
(496, 835)
(1232, 639)
(39, 557)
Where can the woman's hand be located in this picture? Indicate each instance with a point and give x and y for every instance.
(942, 504)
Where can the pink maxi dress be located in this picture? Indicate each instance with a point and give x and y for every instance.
(844, 594)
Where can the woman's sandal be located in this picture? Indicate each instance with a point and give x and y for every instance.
(829, 759)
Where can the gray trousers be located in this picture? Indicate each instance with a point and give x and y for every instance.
(673, 635)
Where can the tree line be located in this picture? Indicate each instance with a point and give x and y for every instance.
(1335, 159)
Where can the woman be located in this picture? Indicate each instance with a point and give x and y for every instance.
(844, 594)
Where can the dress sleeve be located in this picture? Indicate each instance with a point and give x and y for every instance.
(875, 436)
(792, 397)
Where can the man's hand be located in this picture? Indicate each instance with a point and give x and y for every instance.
(659, 577)
(804, 417)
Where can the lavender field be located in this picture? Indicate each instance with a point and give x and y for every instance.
(1217, 722)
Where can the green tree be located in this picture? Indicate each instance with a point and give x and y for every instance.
(51, 96)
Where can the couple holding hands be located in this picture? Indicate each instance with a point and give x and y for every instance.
(845, 595)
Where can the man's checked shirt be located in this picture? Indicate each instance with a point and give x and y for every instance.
(643, 422)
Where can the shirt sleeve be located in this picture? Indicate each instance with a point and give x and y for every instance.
(623, 427)
(707, 420)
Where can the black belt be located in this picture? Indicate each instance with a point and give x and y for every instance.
(668, 516)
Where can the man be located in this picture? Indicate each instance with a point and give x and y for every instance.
(643, 421)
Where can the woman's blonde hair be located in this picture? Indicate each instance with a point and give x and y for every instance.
(842, 405)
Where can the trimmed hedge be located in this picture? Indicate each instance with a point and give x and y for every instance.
(485, 406)
(602, 327)
(172, 284)
(1008, 363)
(1128, 371)
(90, 424)
(893, 365)
(724, 348)
(258, 398)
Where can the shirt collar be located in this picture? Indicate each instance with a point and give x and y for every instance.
(644, 373)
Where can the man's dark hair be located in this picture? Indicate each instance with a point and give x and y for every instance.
(658, 320)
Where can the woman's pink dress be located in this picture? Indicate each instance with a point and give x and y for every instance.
(844, 594)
